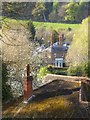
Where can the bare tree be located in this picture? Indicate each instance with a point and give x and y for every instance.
(17, 51)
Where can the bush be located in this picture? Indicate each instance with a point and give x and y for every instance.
(78, 70)
(31, 29)
(43, 72)
(6, 89)
(57, 71)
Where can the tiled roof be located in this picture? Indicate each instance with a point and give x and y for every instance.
(58, 48)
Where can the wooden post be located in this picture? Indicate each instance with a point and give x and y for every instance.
(28, 90)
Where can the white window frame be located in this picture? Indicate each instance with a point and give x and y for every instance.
(59, 62)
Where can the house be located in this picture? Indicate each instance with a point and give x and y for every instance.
(56, 52)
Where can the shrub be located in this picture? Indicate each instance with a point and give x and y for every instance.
(78, 70)
(6, 89)
(42, 72)
(31, 29)
(57, 71)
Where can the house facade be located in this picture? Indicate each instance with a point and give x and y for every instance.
(56, 53)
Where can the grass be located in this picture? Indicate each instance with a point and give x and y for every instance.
(47, 25)
(41, 109)
(55, 26)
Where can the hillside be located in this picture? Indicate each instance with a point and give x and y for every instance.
(47, 11)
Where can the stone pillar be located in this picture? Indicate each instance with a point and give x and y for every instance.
(85, 90)
(28, 90)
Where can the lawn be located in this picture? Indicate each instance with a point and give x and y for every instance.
(55, 26)
(57, 99)
(47, 25)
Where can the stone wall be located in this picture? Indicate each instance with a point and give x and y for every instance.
(50, 77)
(85, 90)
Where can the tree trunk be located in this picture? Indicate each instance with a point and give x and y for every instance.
(44, 17)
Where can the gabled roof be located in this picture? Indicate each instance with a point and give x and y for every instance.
(58, 48)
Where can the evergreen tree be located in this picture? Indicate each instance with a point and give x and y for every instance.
(31, 29)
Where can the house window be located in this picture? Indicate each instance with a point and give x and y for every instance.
(58, 62)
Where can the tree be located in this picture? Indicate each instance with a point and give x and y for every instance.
(49, 8)
(76, 11)
(53, 15)
(39, 11)
(55, 5)
(82, 11)
(19, 50)
(78, 51)
(71, 11)
(61, 12)
(18, 10)
(31, 29)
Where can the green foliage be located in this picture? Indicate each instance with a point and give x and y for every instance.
(39, 10)
(78, 51)
(6, 90)
(55, 6)
(77, 56)
(82, 10)
(43, 72)
(50, 70)
(18, 10)
(49, 7)
(76, 12)
(57, 71)
(44, 11)
(31, 29)
(52, 16)
(78, 70)
(71, 11)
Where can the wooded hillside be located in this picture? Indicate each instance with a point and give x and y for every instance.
(73, 12)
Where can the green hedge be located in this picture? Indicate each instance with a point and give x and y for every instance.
(58, 71)
(78, 70)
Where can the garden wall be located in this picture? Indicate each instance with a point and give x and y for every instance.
(50, 77)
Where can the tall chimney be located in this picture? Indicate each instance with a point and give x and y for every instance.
(27, 85)
(51, 39)
(61, 38)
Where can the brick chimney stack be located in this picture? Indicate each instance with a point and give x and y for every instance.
(61, 39)
(27, 85)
